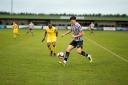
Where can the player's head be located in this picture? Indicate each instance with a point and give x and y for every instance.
(50, 25)
(14, 22)
(73, 19)
(91, 22)
(30, 22)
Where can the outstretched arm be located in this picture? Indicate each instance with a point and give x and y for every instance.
(56, 33)
(44, 36)
(66, 33)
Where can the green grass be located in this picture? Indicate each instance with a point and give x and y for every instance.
(25, 61)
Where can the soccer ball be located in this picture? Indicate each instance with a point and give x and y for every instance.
(60, 55)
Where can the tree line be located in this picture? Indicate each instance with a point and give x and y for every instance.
(64, 14)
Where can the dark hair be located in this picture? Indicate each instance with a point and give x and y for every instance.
(49, 23)
(72, 18)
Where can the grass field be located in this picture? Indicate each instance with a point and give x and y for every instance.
(25, 61)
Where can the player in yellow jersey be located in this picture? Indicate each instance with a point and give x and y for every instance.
(52, 34)
(15, 28)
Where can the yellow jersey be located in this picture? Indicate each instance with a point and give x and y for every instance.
(15, 28)
(51, 33)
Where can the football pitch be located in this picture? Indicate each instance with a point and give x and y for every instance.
(26, 61)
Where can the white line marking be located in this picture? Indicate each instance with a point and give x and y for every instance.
(122, 58)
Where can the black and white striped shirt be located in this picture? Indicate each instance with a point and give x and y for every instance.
(76, 29)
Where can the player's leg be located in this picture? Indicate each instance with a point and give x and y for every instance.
(68, 50)
(17, 33)
(54, 48)
(54, 45)
(31, 31)
(14, 33)
(92, 30)
(81, 52)
(27, 31)
(49, 47)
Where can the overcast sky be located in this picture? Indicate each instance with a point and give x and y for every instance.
(66, 6)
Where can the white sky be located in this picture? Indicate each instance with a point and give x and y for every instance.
(66, 6)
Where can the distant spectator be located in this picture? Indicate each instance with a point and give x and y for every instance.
(30, 28)
(15, 28)
(91, 27)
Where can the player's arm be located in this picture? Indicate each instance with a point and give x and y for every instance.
(68, 32)
(44, 36)
(56, 32)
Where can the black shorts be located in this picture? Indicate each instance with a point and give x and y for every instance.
(30, 29)
(92, 29)
(77, 44)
